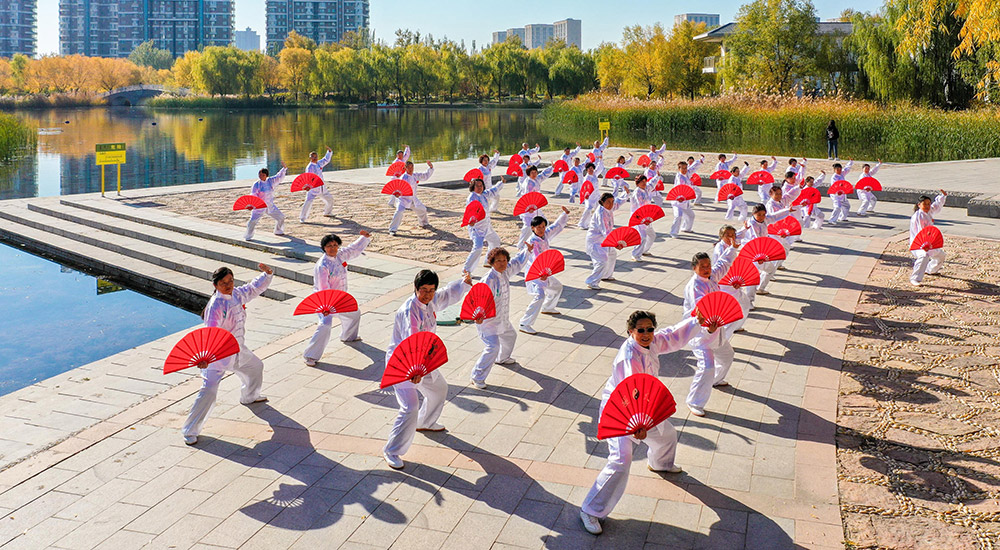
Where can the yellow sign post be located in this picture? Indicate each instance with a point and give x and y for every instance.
(111, 153)
(604, 125)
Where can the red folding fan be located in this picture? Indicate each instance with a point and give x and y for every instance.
(515, 160)
(479, 304)
(547, 263)
(249, 202)
(643, 161)
(695, 179)
(591, 157)
(617, 173)
(560, 166)
(788, 226)
(474, 174)
(625, 236)
(721, 175)
(868, 183)
(718, 307)
(417, 355)
(659, 183)
(396, 169)
(681, 193)
(397, 188)
(741, 273)
(474, 213)
(515, 170)
(808, 195)
(570, 177)
(306, 181)
(201, 347)
(761, 177)
(530, 202)
(585, 191)
(729, 191)
(327, 302)
(645, 214)
(842, 186)
(929, 238)
(640, 402)
(762, 249)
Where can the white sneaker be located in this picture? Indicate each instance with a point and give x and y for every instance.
(190, 439)
(591, 523)
(260, 399)
(527, 329)
(609, 279)
(914, 283)
(594, 287)
(507, 361)
(675, 469)
(279, 233)
(302, 220)
(310, 362)
(720, 384)
(696, 411)
(479, 385)
(435, 427)
(394, 461)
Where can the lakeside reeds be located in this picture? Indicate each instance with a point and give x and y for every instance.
(16, 137)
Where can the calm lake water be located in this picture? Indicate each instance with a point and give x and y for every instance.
(65, 319)
(167, 147)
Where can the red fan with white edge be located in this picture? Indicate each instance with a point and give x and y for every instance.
(659, 184)
(515, 170)
(591, 157)
(249, 202)
(529, 203)
(327, 302)
(474, 213)
(397, 188)
(570, 177)
(479, 304)
(618, 173)
(640, 402)
(200, 347)
(729, 191)
(547, 263)
(721, 175)
(695, 180)
(762, 249)
(760, 177)
(515, 160)
(417, 355)
(718, 307)
(474, 174)
(643, 161)
(645, 214)
(788, 226)
(585, 191)
(560, 166)
(808, 195)
(741, 273)
(306, 181)
(681, 193)
(929, 238)
(868, 183)
(625, 236)
(842, 186)
(396, 169)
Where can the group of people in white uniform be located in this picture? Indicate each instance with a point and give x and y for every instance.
(709, 343)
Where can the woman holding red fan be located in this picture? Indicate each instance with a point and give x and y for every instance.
(640, 353)
(544, 291)
(227, 309)
(486, 166)
(481, 233)
(497, 333)
(623, 164)
(417, 314)
(412, 202)
(928, 261)
(641, 197)
(531, 182)
(315, 166)
(263, 189)
(601, 224)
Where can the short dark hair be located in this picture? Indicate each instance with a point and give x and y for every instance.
(773, 189)
(538, 220)
(220, 274)
(641, 178)
(763, 162)
(498, 251)
(722, 156)
(529, 169)
(793, 161)
(400, 152)
(838, 165)
(409, 163)
(483, 156)
(866, 165)
(605, 196)
(790, 174)
(264, 171)
(311, 153)
(691, 158)
(425, 277)
(724, 229)
(637, 316)
(698, 258)
(472, 184)
(924, 198)
(589, 166)
(759, 208)
(331, 238)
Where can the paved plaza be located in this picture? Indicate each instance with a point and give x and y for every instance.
(94, 458)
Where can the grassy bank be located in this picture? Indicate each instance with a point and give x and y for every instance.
(16, 138)
(896, 133)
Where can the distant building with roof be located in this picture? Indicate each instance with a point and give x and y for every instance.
(718, 35)
(537, 35)
(711, 20)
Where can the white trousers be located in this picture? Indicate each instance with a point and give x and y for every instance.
(764, 192)
(840, 212)
(743, 298)
(767, 270)
(603, 260)
(588, 213)
(736, 204)
(544, 297)
(412, 413)
(311, 195)
(611, 482)
(697, 194)
(250, 370)
(349, 323)
(574, 190)
(499, 343)
(647, 241)
(814, 220)
(713, 366)
(868, 201)
(480, 239)
(494, 200)
(656, 198)
(928, 261)
(257, 213)
(683, 219)
(412, 203)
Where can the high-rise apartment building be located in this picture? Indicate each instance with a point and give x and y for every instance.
(499, 36)
(323, 21)
(17, 28)
(113, 28)
(711, 20)
(247, 40)
(569, 31)
(517, 31)
(537, 35)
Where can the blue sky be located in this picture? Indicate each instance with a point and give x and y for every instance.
(454, 18)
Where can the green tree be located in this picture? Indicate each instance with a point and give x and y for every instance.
(573, 73)
(687, 57)
(295, 66)
(611, 67)
(148, 55)
(645, 51)
(296, 40)
(19, 69)
(216, 70)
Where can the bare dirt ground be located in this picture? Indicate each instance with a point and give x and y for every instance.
(918, 434)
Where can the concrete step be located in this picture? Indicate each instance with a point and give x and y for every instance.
(162, 256)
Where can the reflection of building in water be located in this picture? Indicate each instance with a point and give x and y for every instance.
(19, 179)
(165, 167)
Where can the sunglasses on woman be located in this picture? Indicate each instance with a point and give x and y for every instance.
(644, 330)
